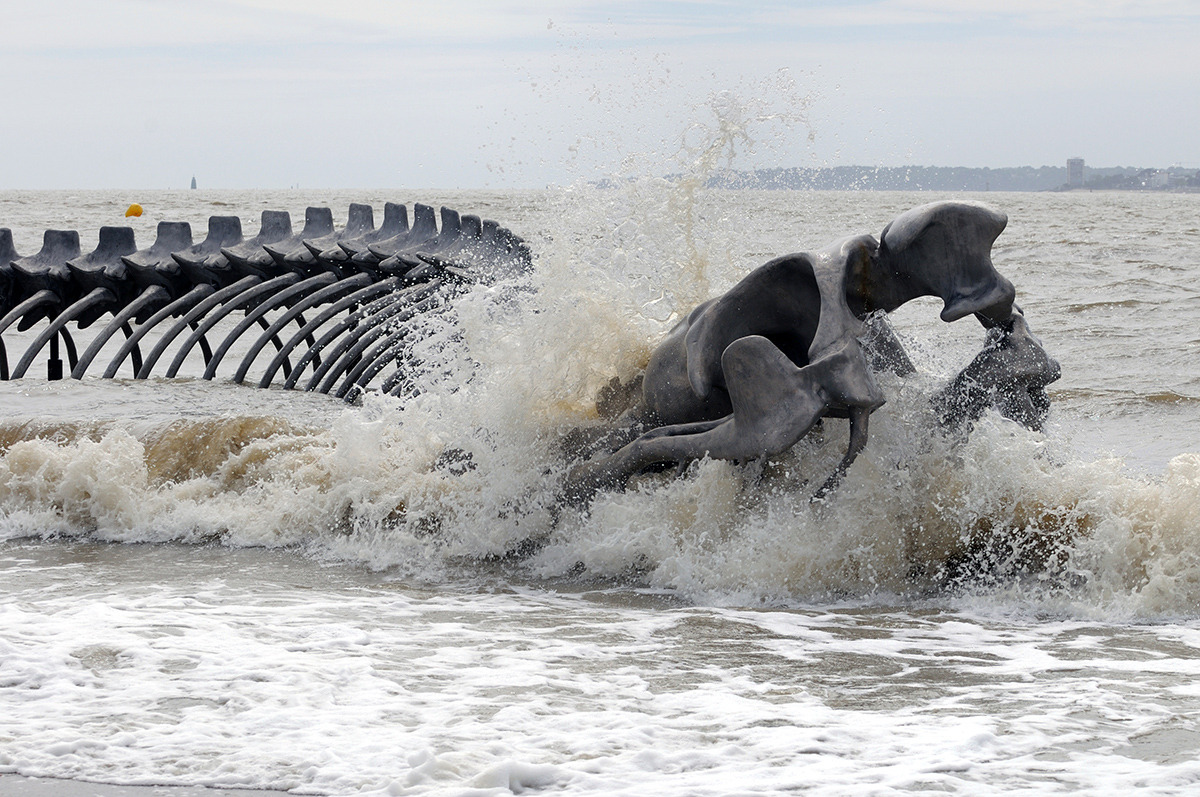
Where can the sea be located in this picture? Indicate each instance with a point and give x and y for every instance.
(207, 584)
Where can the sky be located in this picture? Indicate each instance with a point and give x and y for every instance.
(511, 94)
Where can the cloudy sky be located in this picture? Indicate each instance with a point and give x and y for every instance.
(505, 93)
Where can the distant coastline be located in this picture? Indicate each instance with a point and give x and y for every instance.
(957, 178)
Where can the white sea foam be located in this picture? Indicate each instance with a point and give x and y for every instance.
(958, 615)
(226, 668)
(1008, 512)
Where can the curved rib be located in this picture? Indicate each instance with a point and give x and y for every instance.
(394, 383)
(307, 330)
(356, 362)
(136, 358)
(296, 290)
(194, 295)
(254, 290)
(205, 349)
(349, 350)
(262, 322)
(69, 342)
(189, 319)
(37, 300)
(380, 311)
(120, 321)
(366, 312)
(41, 297)
(312, 299)
(372, 362)
(96, 295)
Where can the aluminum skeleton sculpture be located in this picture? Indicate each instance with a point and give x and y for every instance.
(363, 285)
(744, 375)
(749, 373)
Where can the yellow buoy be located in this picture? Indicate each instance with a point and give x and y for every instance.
(134, 210)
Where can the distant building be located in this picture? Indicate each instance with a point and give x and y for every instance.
(1075, 172)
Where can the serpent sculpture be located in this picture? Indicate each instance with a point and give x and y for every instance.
(749, 373)
(742, 376)
(363, 283)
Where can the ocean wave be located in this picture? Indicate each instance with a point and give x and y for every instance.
(1005, 512)
(467, 473)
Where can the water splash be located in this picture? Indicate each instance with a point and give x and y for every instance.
(464, 476)
(710, 151)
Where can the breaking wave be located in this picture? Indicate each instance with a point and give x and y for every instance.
(468, 470)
